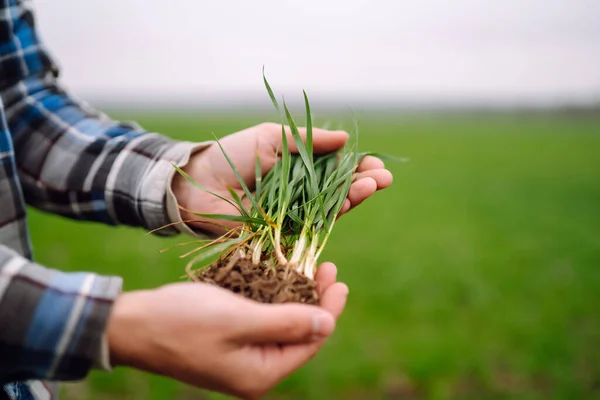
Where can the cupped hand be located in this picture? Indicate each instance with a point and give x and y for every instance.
(214, 339)
(211, 169)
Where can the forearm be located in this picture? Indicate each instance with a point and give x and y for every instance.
(52, 324)
(72, 159)
(78, 163)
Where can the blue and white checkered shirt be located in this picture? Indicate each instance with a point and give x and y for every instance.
(61, 156)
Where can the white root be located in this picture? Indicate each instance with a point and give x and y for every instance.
(298, 252)
(280, 257)
(311, 261)
(257, 252)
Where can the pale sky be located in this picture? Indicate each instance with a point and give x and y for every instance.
(538, 51)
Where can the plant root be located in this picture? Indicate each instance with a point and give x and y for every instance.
(262, 283)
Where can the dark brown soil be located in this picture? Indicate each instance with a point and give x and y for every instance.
(260, 282)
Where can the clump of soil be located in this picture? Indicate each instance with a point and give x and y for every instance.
(262, 283)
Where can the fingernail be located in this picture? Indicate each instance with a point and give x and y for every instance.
(322, 324)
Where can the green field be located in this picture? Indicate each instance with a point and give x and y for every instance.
(475, 276)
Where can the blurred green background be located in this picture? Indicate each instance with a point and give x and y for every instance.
(475, 276)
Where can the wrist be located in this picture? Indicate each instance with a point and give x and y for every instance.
(180, 188)
(127, 316)
(180, 192)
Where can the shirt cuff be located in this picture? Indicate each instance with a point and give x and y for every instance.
(159, 212)
(112, 289)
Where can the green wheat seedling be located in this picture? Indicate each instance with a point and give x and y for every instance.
(288, 219)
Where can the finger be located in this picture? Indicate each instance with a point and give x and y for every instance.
(361, 190)
(284, 323)
(280, 364)
(345, 208)
(325, 276)
(324, 141)
(382, 177)
(370, 162)
(334, 299)
(291, 357)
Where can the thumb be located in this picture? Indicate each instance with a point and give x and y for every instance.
(324, 141)
(285, 323)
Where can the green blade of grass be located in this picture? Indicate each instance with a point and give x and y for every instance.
(333, 213)
(258, 178)
(238, 200)
(334, 188)
(293, 214)
(383, 157)
(309, 130)
(320, 166)
(233, 218)
(330, 166)
(329, 190)
(264, 197)
(286, 160)
(271, 94)
(298, 165)
(273, 188)
(199, 186)
(214, 250)
(239, 178)
(313, 188)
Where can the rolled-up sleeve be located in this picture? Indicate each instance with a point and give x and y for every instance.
(76, 162)
(73, 159)
(53, 323)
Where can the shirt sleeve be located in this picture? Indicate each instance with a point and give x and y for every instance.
(74, 160)
(53, 323)
(77, 162)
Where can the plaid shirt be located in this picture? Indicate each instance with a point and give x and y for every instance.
(59, 155)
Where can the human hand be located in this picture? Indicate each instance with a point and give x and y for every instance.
(211, 169)
(214, 339)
